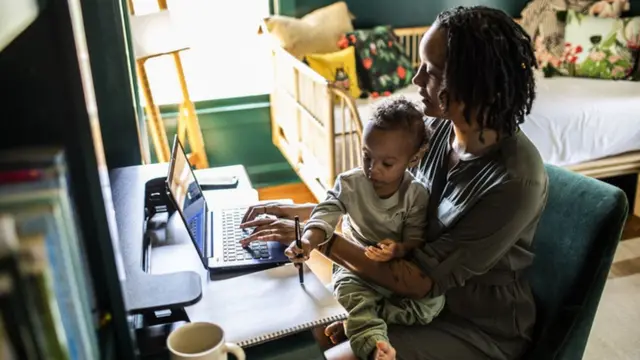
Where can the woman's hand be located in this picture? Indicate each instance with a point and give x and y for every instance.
(285, 211)
(272, 208)
(270, 229)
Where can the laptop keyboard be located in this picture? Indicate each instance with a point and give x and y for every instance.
(233, 251)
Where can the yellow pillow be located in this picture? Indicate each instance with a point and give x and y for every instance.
(338, 67)
(315, 33)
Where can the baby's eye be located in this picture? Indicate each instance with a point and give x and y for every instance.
(387, 164)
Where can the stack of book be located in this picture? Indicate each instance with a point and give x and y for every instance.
(47, 304)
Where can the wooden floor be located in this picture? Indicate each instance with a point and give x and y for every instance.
(298, 192)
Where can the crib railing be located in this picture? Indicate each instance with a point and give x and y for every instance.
(306, 110)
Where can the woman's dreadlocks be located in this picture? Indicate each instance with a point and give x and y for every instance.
(489, 66)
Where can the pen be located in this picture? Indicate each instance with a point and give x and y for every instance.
(299, 245)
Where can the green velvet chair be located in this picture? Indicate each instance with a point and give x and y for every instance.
(574, 244)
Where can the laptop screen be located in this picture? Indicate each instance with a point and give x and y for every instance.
(187, 195)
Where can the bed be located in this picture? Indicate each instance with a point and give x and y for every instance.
(595, 131)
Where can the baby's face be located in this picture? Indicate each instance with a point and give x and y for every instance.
(385, 157)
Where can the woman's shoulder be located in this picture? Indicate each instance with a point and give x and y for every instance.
(522, 161)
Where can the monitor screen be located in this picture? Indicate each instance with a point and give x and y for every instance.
(187, 195)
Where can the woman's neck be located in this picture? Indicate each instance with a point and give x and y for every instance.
(467, 139)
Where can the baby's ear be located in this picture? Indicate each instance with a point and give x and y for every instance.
(415, 159)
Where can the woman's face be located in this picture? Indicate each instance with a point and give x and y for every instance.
(433, 56)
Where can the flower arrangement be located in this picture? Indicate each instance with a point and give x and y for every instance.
(608, 55)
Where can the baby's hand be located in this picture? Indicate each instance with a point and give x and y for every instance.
(386, 250)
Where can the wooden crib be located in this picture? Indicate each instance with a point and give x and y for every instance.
(315, 125)
(318, 128)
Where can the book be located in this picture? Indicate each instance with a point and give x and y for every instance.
(52, 185)
(43, 305)
(266, 305)
(21, 336)
(57, 288)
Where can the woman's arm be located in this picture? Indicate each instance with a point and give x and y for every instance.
(470, 248)
(303, 211)
(400, 276)
(502, 220)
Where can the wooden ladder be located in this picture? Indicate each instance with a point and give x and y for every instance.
(188, 123)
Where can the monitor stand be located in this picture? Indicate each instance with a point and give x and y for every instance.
(140, 202)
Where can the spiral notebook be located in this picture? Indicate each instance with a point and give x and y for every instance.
(266, 305)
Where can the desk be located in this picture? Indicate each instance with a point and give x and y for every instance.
(295, 347)
(143, 291)
(178, 254)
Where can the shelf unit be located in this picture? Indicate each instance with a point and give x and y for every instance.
(48, 98)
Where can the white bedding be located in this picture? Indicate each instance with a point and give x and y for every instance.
(576, 120)
(573, 120)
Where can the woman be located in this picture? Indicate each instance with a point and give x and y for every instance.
(488, 189)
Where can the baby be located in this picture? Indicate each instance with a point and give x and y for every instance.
(384, 208)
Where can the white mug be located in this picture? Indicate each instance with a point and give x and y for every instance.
(201, 341)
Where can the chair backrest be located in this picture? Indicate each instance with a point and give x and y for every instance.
(574, 246)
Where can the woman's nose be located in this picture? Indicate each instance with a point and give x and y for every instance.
(419, 79)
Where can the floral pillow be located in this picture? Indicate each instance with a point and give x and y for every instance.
(383, 67)
(596, 48)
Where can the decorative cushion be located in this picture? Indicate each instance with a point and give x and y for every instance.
(383, 65)
(544, 20)
(338, 67)
(609, 9)
(604, 48)
(315, 33)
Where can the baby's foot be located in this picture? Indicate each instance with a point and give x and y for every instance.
(335, 332)
(384, 351)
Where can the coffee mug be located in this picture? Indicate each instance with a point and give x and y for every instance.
(201, 341)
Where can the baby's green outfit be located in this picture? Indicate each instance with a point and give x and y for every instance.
(368, 219)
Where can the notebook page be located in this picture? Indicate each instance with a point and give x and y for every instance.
(266, 305)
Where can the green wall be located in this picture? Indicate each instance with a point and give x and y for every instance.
(399, 13)
(109, 49)
(238, 131)
(406, 13)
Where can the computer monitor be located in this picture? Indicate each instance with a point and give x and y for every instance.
(187, 196)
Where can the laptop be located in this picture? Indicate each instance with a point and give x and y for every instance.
(215, 230)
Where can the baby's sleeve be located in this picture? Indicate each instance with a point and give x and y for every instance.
(326, 214)
(415, 222)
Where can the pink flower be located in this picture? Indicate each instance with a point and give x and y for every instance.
(597, 56)
(614, 58)
(618, 71)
